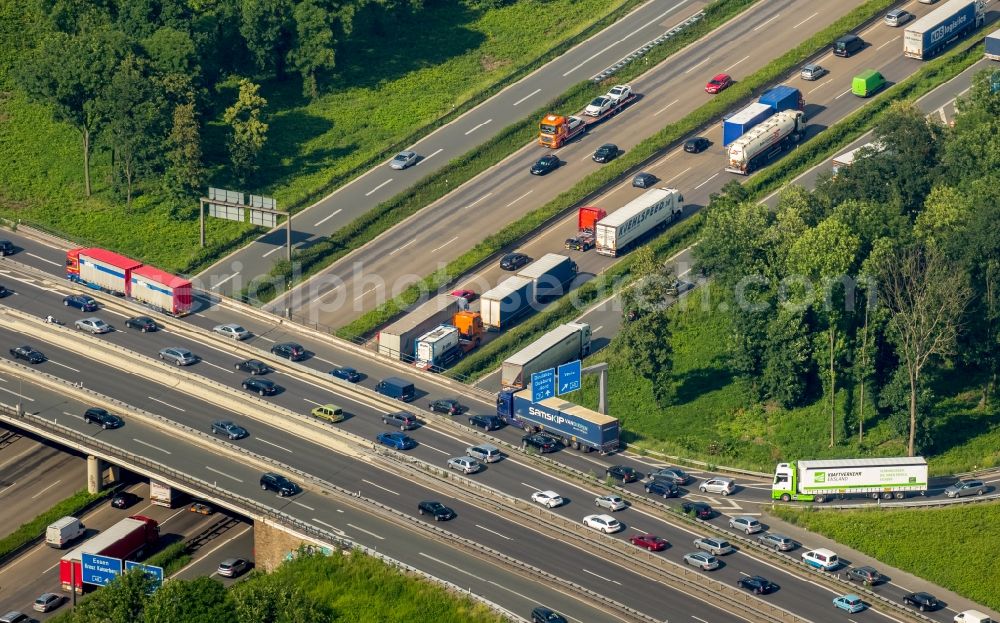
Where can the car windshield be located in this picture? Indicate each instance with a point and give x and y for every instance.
(401, 157)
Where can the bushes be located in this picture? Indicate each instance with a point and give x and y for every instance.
(172, 558)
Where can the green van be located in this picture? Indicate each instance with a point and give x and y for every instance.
(867, 83)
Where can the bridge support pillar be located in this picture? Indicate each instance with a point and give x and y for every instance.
(272, 545)
(100, 474)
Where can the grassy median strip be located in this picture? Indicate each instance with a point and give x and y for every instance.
(593, 183)
(379, 219)
(171, 558)
(35, 528)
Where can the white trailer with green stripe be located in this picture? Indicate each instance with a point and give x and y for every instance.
(817, 481)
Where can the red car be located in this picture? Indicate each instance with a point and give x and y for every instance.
(718, 83)
(468, 295)
(650, 542)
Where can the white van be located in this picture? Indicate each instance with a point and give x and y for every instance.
(63, 532)
(972, 616)
(821, 558)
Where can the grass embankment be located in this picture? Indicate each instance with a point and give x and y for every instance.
(36, 527)
(943, 545)
(369, 109)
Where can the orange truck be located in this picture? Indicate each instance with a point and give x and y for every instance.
(556, 130)
(470, 329)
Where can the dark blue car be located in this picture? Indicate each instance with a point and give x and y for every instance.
(81, 302)
(397, 440)
(348, 374)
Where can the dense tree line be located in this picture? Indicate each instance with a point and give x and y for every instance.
(884, 277)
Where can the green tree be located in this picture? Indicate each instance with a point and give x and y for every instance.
(185, 174)
(737, 240)
(943, 221)
(266, 26)
(910, 160)
(202, 600)
(647, 342)
(123, 600)
(973, 149)
(248, 132)
(172, 51)
(275, 598)
(313, 50)
(788, 359)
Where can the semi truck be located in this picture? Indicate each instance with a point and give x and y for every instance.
(783, 97)
(437, 348)
(993, 46)
(575, 426)
(953, 20)
(116, 274)
(127, 539)
(397, 340)
(586, 220)
(556, 130)
(653, 209)
(550, 274)
(766, 140)
(774, 100)
(563, 344)
(819, 481)
(163, 494)
(505, 303)
(470, 329)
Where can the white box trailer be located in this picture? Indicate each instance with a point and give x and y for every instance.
(504, 303)
(433, 345)
(563, 344)
(655, 208)
(877, 478)
(162, 494)
(397, 340)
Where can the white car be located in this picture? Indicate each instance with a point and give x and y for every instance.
(725, 486)
(610, 502)
(746, 524)
(599, 106)
(549, 499)
(403, 160)
(465, 464)
(232, 330)
(93, 325)
(619, 92)
(605, 523)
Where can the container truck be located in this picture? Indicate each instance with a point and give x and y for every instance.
(506, 302)
(127, 539)
(993, 46)
(396, 340)
(556, 130)
(437, 348)
(575, 426)
(110, 272)
(563, 344)
(652, 210)
(766, 140)
(739, 122)
(818, 481)
(161, 290)
(931, 34)
(550, 275)
(163, 494)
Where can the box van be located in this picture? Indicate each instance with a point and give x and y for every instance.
(63, 532)
(847, 45)
(972, 616)
(867, 83)
(397, 388)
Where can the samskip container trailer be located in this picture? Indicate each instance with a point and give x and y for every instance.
(435, 345)
(101, 269)
(397, 340)
(783, 97)
(736, 125)
(653, 209)
(763, 142)
(561, 345)
(992, 46)
(550, 275)
(878, 478)
(931, 34)
(127, 540)
(505, 303)
(161, 290)
(576, 426)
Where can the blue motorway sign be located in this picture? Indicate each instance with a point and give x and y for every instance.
(155, 573)
(569, 377)
(98, 569)
(543, 385)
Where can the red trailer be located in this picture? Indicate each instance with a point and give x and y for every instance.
(101, 269)
(127, 540)
(161, 290)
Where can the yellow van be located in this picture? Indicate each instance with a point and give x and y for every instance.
(331, 413)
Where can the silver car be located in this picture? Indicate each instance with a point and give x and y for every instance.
(232, 567)
(232, 330)
(897, 17)
(702, 560)
(93, 325)
(779, 542)
(180, 356)
(725, 486)
(746, 524)
(47, 602)
(403, 160)
(713, 545)
(813, 71)
(963, 488)
(465, 464)
(610, 502)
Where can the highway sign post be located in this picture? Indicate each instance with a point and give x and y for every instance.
(569, 377)
(154, 573)
(543, 385)
(99, 570)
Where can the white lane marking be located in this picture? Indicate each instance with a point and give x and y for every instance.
(598, 328)
(805, 20)
(887, 43)
(601, 576)
(219, 285)
(736, 63)
(277, 248)
(706, 181)
(765, 23)
(373, 191)
(698, 619)
(842, 94)
(379, 486)
(22, 396)
(698, 64)
(436, 249)
(166, 404)
(313, 402)
(303, 505)
(334, 528)
(449, 565)
(423, 160)
(433, 448)
(79, 417)
(209, 363)
(502, 536)
(523, 596)
(535, 92)
(478, 200)
(398, 249)
(819, 86)
(271, 443)
(212, 469)
(665, 107)
(369, 533)
(519, 198)
(149, 445)
(45, 489)
(678, 175)
(318, 358)
(328, 217)
(476, 127)
(8, 487)
(38, 257)
(64, 365)
(212, 551)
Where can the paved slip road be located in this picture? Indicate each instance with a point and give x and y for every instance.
(474, 128)
(446, 229)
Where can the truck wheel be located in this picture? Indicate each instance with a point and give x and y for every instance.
(820, 498)
(900, 495)
(886, 496)
(785, 497)
(576, 445)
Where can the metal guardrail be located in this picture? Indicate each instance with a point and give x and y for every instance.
(646, 47)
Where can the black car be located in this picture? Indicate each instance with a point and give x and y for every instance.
(289, 350)
(922, 601)
(513, 261)
(96, 415)
(27, 353)
(696, 144)
(6, 248)
(583, 242)
(446, 405)
(623, 473)
(540, 442)
(124, 499)
(270, 481)
(545, 164)
(348, 374)
(81, 302)
(700, 510)
(486, 422)
(606, 153)
(542, 614)
(439, 511)
(142, 323)
(264, 387)
(4, 292)
(866, 575)
(644, 180)
(661, 487)
(757, 585)
(253, 366)
(229, 429)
